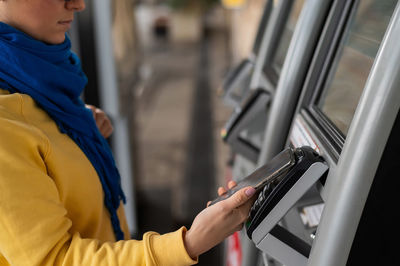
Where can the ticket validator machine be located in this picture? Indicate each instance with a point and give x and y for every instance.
(236, 84)
(350, 117)
(245, 129)
(241, 132)
(238, 133)
(286, 51)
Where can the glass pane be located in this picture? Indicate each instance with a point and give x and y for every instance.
(287, 34)
(353, 62)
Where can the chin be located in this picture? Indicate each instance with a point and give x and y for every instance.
(55, 40)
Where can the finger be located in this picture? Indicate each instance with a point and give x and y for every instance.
(100, 113)
(105, 125)
(100, 120)
(244, 210)
(221, 191)
(91, 107)
(231, 184)
(240, 197)
(108, 132)
(103, 128)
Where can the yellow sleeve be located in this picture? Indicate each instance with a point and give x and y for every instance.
(34, 227)
(154, 249)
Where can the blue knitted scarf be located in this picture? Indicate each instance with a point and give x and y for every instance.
(52, 76)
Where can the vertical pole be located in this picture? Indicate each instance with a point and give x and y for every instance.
(109, 99)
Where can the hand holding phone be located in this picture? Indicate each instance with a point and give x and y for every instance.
(215, 223)
(263, 175)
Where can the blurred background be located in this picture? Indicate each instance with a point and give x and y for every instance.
(155, 67)
(169, 74)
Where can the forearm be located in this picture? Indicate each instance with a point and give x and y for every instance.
(74, 250)
(149, 251)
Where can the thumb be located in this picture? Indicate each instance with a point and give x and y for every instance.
(240, 197)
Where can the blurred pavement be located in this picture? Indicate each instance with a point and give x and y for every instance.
(179, 115)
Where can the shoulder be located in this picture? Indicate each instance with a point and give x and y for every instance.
(15, 130)
(10, 104)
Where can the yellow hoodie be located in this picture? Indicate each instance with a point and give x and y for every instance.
(51, 200)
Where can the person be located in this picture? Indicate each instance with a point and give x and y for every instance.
(61, 201)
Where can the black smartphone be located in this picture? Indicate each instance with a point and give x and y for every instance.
(269, 172)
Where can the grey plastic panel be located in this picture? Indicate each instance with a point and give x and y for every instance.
(293, 221)
(237, 82)
(375, 114)
(243, 120)
(282, 252)
(308, 179)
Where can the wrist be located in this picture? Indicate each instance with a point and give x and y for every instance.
(190, 245)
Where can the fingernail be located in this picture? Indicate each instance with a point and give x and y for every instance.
(250, 192)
